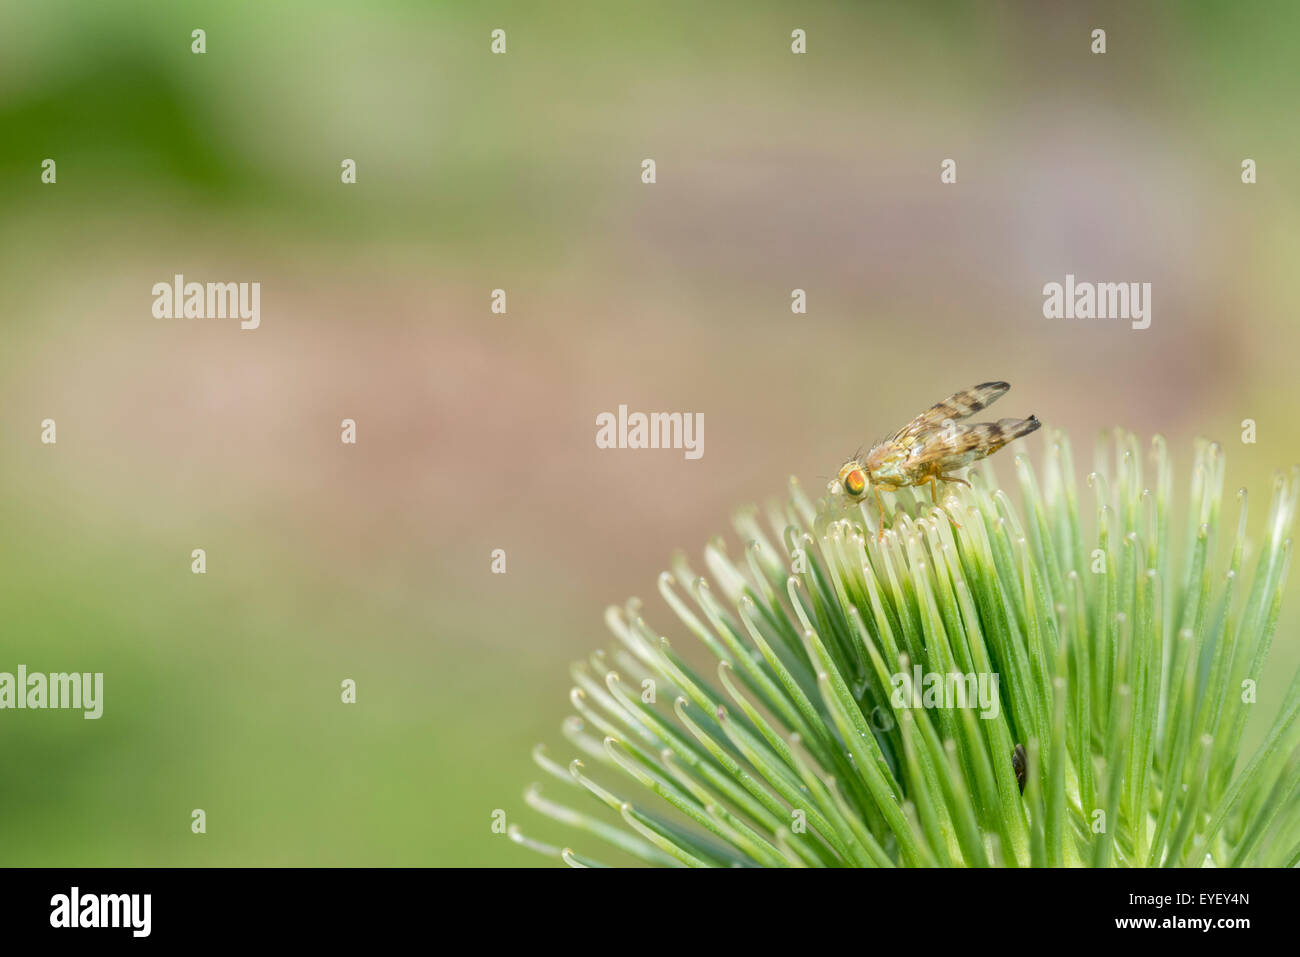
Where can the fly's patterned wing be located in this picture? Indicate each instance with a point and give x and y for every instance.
(960, 405)
(947, 450)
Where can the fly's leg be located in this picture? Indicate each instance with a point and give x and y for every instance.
(934, 481)
(880, 504)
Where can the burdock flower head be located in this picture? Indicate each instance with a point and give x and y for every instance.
(984, 684)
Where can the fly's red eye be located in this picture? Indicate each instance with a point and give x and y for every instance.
(855, 483)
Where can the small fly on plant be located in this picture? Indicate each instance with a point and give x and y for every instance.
(1019, 765)
(932, 446)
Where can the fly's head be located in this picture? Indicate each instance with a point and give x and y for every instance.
(853, 481)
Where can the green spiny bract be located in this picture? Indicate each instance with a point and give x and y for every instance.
(1125, 672)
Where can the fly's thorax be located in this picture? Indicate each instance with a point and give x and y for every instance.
(887, 465)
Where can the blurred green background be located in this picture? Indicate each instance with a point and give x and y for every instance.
(476, 431)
